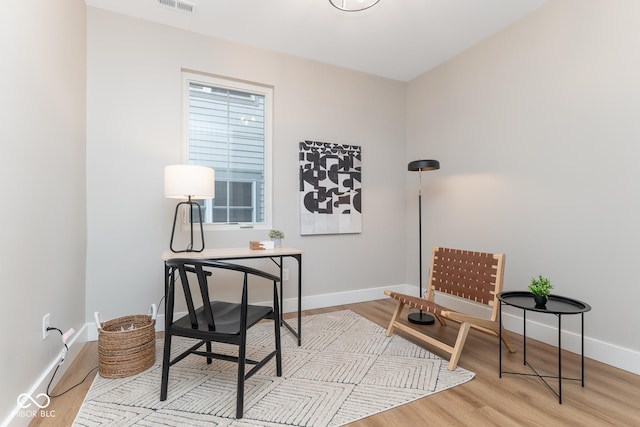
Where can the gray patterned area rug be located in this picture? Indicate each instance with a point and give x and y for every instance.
(346, 369)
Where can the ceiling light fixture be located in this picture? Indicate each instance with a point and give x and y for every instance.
(353, 5)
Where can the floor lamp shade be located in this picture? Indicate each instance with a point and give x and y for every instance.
(189, 182)
(421, 318)
(423, 165)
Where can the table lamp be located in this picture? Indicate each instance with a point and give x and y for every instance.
(192, 183)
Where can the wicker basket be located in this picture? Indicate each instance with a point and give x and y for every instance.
(129, 352)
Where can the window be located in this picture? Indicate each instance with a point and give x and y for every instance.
(228, 128)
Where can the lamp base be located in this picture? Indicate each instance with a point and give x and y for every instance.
(421, 318)
(189, 248)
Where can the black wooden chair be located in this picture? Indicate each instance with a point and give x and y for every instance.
(217, 321)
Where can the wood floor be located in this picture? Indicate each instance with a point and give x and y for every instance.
(611, 397)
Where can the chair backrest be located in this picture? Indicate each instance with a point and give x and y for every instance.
(189, 265)
(476, 276)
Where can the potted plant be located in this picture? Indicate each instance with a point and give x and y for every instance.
(276, 236)
(541, 289)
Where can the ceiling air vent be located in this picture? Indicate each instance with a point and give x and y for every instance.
(179, 5)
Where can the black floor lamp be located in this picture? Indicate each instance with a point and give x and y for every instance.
(421, 318)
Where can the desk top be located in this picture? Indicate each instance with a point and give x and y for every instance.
(232, 253)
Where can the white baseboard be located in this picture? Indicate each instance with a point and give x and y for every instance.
(611, 354)
(348, 297)
(20, 417)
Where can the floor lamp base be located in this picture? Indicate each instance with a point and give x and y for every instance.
(421, 318)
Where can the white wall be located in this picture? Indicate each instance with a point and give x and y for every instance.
(134, 130)
(42, 170)
(537, 133)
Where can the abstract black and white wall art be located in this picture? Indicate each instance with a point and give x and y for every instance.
(330, 188)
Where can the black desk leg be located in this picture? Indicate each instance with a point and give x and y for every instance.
(281, 292)
(297, 333)
(299, 259)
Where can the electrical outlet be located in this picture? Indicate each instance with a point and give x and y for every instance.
(285, 274)
(46, 322)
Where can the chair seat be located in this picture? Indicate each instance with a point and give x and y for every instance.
(417, 302)
(227, 319)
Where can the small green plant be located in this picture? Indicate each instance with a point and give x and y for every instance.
(276, 234)
(540, 286)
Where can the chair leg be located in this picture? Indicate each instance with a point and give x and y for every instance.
(440, 319)
(457, 348)
(240, 388)
(506, 341)
(394, 317)
(166, 360)
(209, 351)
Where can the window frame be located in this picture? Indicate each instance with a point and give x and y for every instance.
(222, 82)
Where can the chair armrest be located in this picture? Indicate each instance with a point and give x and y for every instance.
(461, 317)
(193, 270)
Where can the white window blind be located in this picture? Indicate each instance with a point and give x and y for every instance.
(227, 130)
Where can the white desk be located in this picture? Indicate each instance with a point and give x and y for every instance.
(276, 255)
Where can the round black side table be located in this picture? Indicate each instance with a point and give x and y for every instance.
(556, 305)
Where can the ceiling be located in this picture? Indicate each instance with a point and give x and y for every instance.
(397, 39)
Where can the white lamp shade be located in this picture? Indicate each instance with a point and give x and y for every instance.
(184, 181)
